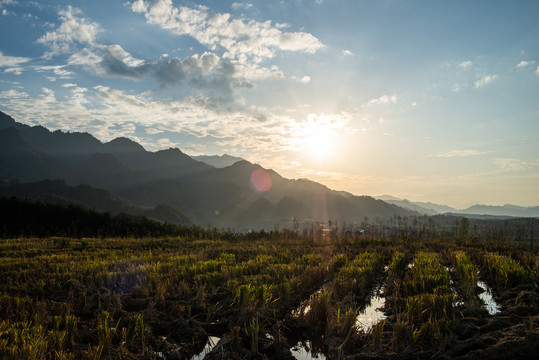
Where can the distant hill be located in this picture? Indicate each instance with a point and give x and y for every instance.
(505, 210)
(477, 211)
(413, 206)
(218, 161)
(169, 184)
(441, 209)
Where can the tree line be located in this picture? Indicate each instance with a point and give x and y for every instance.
(24, 218)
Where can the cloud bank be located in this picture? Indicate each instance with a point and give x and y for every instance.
(236, 38)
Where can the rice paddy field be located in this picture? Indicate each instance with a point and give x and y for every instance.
(277, 295)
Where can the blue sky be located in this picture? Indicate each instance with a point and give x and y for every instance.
(426, 100)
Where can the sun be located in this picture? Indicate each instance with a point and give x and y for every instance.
(319, 143)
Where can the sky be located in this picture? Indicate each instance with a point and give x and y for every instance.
(426, 100)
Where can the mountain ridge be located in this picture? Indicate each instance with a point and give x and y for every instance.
(218, 161)
(429, 208)
(223, 197)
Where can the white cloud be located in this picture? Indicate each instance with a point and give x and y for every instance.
(139, 6)
(206, 72)
(153, 131)
(384, 99)
(347, 53)
(13, 94)
(466, 64)
(59, 70)
(304, 80)
(460, 153)
(14, 70)
(235, 37)
(509, 164)
(110, 60)
(12, 61)
(537, 71)
(525, 63)
(237, 6)
(485, 80)
(164, 143)
(73, 29)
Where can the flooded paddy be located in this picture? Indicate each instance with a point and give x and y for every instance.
(306, 350)
(210, 345)
(486, 296)
(372, 313)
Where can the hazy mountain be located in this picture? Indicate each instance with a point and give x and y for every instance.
(436, 207)
(428, 208)
(57, 191)
(505, 210)
(218, 161)
(169, 180)
(412, 206)
(387, 197)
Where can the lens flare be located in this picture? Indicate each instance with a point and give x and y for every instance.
(261, 180)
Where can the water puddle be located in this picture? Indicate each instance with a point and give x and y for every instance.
(458, 301)
(212, 341)
(372, 314)
(304, 350)
(305, 305)
(488, 300)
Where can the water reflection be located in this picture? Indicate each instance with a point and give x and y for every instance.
(486, 297)
(372, 314)
(304, 350)
(305, 305)
(212, 341)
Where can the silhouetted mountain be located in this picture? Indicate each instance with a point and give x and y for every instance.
(57, 191)
(73, 146)
(218, 161)
(242, 195)
(122, 146)
(105, 171)
(7, 121)
(171, 163)
(21, 159)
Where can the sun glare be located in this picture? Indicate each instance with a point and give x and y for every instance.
(319, 143)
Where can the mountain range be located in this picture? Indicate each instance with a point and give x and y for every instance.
(428, 208)
(168, 185)
(218, 161)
